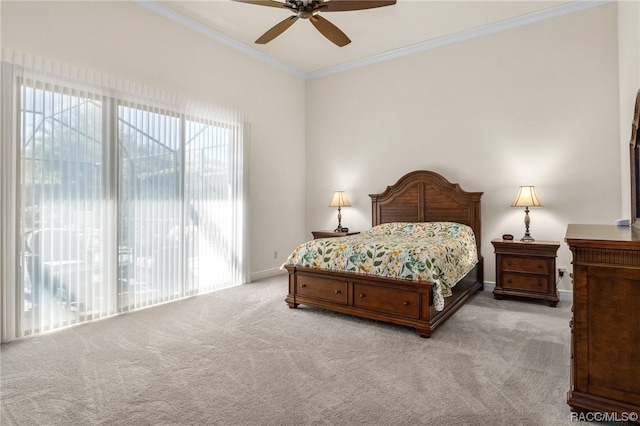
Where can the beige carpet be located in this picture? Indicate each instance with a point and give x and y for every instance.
(242, 357)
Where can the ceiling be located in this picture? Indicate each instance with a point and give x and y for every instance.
(376, 34)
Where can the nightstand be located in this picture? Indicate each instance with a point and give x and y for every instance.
(331, 234)
(526, 269)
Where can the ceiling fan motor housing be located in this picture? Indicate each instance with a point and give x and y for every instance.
(304, 9)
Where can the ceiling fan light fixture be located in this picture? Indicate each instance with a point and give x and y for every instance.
(308, 9)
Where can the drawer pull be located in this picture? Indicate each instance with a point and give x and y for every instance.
(361, 296)
(406, 303)
(303, 285)
(539, 266)
(509, 280)
(337, 292)
(509, 263)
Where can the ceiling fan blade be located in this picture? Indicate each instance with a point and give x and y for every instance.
(345, 5)
(270, 3)
(330, 31)
(277, 29)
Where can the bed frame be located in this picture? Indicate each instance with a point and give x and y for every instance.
(419, 196)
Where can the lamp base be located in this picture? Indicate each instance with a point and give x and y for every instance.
(527, 237)
(340, 229)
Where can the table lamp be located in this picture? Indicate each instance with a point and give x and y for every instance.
(526, 198)
(339, 200)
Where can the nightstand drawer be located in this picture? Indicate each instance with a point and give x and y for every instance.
(525, 282)
(326, 289)
(525, 264)
(386, 300)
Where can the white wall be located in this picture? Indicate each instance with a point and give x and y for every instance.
(536, 105)
(125, 40)
(629, 70)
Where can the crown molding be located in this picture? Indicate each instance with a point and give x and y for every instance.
(194, 25)
(496, 27)
(507, 24)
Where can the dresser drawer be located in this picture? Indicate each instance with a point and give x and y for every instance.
(525, 282)
(531, 265)
(386, 300)
(321, 288)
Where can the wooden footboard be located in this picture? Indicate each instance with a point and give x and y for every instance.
(395, 301)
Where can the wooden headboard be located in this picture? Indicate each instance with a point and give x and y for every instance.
(425, 196)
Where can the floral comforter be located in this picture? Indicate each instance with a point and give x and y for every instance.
(437, 252)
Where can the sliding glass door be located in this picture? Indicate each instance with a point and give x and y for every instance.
(122, 206)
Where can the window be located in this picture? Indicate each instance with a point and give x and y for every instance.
(122, 205)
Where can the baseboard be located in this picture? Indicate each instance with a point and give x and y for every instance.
(267, 273)
(565, 295)
(489, 286)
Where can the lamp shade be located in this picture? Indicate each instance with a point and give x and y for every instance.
(339, 200)
(527, 197)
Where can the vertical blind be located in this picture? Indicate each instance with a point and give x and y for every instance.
(61, 193)
(121, 203)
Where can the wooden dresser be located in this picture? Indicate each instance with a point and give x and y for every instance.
(605, 329)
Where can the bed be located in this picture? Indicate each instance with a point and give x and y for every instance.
(417, 197)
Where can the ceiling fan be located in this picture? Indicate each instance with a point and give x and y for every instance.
(309, 9)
